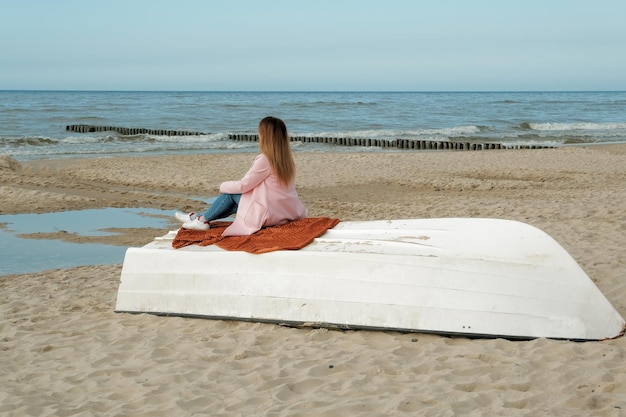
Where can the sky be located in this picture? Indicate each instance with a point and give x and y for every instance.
(313, 45)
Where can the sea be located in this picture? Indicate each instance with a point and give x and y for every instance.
(33, 124)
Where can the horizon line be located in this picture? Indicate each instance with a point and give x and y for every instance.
(307, 91)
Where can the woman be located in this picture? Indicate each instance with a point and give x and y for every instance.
(265, 196)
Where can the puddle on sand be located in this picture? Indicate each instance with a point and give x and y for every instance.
(20, 255)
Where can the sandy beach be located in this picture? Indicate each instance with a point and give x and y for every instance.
(65, 352)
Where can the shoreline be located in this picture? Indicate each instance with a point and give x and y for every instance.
(59, 326)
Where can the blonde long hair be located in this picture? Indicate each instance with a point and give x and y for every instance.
(274, 143)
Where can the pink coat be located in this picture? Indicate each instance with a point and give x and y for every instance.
(264, 200)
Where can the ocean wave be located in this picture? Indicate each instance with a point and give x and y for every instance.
(578, 126)
(458, 130)
(29, 141)
(572, 126)
(127, 139)
(232, 106)
(404, 134)
(330, 104)
(94, 120)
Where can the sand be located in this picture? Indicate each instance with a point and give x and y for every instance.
(65, 352)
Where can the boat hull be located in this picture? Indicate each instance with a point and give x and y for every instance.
(481, 277)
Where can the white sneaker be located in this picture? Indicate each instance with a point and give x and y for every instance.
(196, 224)
(185, 217)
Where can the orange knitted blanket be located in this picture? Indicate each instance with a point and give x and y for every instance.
(289, 236)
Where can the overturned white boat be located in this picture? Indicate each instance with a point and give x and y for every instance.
(482, 277)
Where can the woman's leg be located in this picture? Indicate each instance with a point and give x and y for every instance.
(223, 206)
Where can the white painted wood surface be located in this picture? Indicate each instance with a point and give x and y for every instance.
(485, 277)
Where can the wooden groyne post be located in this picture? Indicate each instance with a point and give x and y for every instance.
(341, 141)
(395, 143)
(130, 131)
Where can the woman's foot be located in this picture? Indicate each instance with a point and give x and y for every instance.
(196, 224)
(185, 217)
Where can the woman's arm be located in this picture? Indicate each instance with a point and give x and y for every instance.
(257, 173)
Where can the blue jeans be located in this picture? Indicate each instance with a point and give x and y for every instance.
(223, 206)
